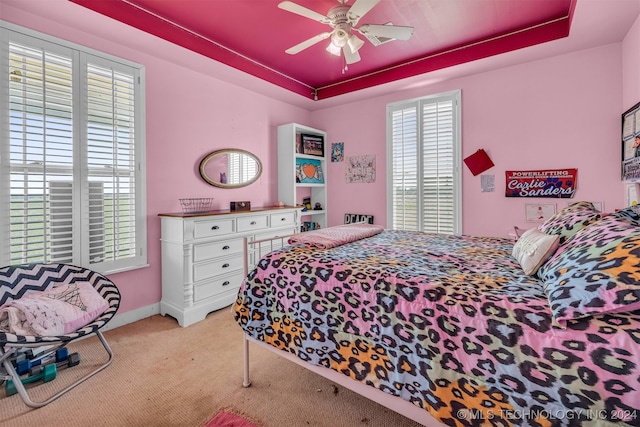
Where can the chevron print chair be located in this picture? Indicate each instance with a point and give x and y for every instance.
(16, 281)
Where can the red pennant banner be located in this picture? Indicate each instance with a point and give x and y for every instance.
(557, 183)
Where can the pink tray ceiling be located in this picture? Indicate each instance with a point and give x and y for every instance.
(252, 36)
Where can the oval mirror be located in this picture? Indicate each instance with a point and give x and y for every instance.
(230, 168)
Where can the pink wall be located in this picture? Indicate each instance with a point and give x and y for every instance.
(189, 114)
(560, 112)
(631, 67)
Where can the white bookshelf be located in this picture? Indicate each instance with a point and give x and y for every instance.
(291, 192)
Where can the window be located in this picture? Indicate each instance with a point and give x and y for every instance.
(71, 155)
(423, 164)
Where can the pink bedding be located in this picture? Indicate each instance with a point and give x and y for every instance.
(336, 236)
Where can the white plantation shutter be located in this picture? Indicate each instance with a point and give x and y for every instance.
(424, 164)
(73, 155)
(111, 161)
(40, 147)
(404, 173)
(438, 166)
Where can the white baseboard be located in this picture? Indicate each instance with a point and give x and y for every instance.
(132, 316)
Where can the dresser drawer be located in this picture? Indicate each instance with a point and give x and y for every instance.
(205, 270)
(212, 228)
(250, 223)
(216, 286)
(283, 219)
(205, 251)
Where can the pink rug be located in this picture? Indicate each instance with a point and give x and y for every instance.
(227, 419)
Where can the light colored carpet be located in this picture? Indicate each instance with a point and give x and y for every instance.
(165, 375)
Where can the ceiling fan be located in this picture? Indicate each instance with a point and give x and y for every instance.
(343, 19)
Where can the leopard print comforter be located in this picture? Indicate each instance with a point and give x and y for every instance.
(449, 323)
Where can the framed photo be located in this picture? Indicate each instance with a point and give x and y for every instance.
(539, 212)
(631, 144)
(309, 171)
(312, 144)
(337, 151)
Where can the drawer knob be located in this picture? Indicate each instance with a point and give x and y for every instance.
(283, 219)
(253, 223)
(225, 265)
(226, 283)
(225, 247)
(215, 227)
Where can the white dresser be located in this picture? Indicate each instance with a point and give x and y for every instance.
(202, 256)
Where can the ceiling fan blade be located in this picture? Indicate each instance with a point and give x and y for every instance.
(303, 11)
(350, 57)
(388, 31)
(359, 9)
(307, 43)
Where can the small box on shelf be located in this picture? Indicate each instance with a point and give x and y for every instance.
(309, 226)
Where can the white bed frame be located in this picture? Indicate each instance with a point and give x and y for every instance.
(255, 250)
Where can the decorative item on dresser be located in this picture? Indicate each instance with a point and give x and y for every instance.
(240, 206)
(202, 256)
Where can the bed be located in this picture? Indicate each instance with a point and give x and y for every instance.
(463, 330)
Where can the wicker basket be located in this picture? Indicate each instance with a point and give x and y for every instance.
(196, 205)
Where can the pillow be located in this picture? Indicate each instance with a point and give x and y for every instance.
(597, 271)
(567, 222)
(533, 248)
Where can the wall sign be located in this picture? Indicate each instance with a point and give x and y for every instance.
(557, 183)
(354, 218)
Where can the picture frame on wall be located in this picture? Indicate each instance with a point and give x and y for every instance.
(539, 212)
(309, 171)
(312, 145)
(631, 144)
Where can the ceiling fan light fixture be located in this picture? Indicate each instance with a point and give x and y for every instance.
(342, 20)
(333, 49)
(354, 43)
(339, 37)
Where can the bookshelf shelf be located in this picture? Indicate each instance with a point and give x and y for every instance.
(293, 163)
